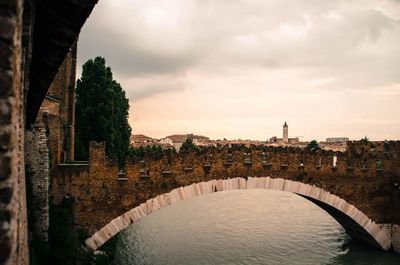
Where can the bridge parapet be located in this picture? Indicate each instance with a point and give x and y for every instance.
(102, 192)
(370, 159)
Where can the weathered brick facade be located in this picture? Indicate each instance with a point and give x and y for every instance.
(37, 175)
(13, 221)
(48, 143)
(364, 176)
(35, 36)
(58, 110)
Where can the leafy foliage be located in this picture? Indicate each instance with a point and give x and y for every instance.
(101, 111)
(141, 151)
(313, 145)
(365, 140)
(188, 145)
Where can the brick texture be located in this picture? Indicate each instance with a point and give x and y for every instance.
(13, 228)
(101, 193)
(37, 175)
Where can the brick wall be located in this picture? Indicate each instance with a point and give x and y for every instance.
(101, 193)
(17, 52)
(47, 145)
(37, 175)
(59, 105)
(13, 221)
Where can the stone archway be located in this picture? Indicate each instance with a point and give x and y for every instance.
(356, 223)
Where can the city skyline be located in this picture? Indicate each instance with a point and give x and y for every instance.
(230, 69)
(284, 137)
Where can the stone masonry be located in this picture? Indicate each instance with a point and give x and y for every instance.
(37, 175)
(364, 176)
(35, 36)
(50, 137)
(35, 44)
(13, 221)
(58, 108)
(357, 224)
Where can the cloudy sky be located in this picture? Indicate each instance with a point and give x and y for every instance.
(240, 68)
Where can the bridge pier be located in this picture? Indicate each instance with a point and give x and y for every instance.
(393, 231)
(396, 238)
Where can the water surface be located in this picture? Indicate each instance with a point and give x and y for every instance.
(251, 227)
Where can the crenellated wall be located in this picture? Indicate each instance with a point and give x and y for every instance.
(364, 176)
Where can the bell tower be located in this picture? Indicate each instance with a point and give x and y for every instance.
(285, 133)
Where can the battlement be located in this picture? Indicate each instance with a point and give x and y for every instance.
(364, 175)
(360, 158)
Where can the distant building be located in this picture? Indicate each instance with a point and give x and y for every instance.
(274, 139)
(337, 140)
(166, 141)
(285, 139)
(176, 140)
(140, 139)
(285, 133)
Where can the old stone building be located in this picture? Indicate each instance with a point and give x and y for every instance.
(58, 110)
(285, 133)
(35, 37)
(285, 137)
(49, 142)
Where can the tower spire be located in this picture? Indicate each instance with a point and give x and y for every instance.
(285, 133)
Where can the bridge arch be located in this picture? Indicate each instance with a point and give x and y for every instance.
(356, 223)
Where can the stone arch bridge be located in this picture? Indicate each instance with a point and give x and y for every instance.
(359, 187)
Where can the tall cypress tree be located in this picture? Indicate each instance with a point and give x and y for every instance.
(101, 111)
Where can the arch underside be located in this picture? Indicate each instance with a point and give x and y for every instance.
(353, 229)
(356, 223)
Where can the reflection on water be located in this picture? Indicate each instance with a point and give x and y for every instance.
(242, 227)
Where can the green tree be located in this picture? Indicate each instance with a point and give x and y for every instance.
(313, 145)
(101, 111)
(141, 151)
(365, 140)
(159, 150)
(188, 145)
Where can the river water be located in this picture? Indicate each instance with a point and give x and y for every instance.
(243, 227)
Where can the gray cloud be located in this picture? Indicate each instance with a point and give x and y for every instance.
(354, 43)
(141, 89)
(129, 59)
